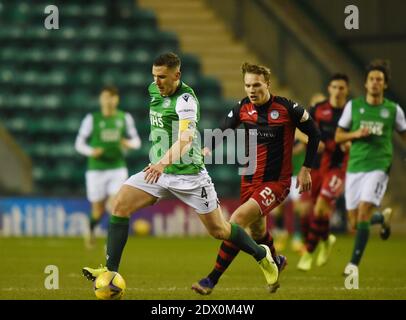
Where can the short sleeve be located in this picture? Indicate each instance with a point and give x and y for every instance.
(186, 107)
(346, 118)
(400, 119)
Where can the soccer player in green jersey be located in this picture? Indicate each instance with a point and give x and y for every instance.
(176, 169)
(103, 137)
(369, 123)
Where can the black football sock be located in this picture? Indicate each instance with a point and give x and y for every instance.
(361, 240)
(245, 243)
(116, 240)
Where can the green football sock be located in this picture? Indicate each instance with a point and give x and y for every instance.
(361, 240)
(377, 218)
(116, 240)
(244, 242)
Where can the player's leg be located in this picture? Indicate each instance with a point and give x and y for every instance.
(96, 192)
(324, 209)
(234, 233)
(260, 233)
(134, 195)
(97, 213)
(248, 214)
(228, 250)
(373, 189)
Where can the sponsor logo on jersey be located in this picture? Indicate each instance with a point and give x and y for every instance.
(252, 112)
(295, 105)
(186, 97)
(274, 114)
(230, 115)
(110, 135)
(384, 113)
(374, 127)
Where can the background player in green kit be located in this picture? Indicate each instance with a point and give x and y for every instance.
(103, 137)
(176, 169)
(369, 123)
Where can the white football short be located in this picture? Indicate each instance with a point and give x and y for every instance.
(103, 183)
(195, 190)
(365, 186)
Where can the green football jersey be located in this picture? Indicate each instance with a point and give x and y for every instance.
(107, 134)
(375, 151)
(165, 113)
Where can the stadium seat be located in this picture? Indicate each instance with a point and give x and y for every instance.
(50, 80)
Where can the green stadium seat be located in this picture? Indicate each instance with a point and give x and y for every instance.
(49, 80)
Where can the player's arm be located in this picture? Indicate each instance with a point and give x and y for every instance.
(302, 137)
(343, 133)
(85, 131)
(401, 123)
(134, 141)
(304, 122)
(186, 108)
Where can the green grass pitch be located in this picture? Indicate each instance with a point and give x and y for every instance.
(165, 268)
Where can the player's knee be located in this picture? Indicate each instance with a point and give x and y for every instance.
(365, 211)
(240, 220)
(257, 234)
(121, 208)
(218, 232)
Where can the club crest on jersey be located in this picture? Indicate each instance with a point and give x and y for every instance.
(384, 113)
(230, 115)
(166, 103)
(119, 124)
(362, 110)
(274, 114)
(102, 124)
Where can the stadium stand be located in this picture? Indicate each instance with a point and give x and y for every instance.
(49, 80)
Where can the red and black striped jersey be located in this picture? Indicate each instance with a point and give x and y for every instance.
(274, 123)
(326, 118)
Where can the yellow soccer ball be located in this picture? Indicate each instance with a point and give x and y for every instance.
(109, 285)
(141, 227)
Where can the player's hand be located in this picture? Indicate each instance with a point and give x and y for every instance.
(361, 133)
(97, 152)
(346, 146)
(304, 180)
(153, 172)
(206, 152)
(321, 147)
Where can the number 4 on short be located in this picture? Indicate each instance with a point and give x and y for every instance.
(204, 193)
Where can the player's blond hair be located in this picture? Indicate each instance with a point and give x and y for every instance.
(256, 69)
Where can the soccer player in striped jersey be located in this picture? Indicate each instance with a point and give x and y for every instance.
(328, 175)
(273, 120)
(368, 122)
(103, 137)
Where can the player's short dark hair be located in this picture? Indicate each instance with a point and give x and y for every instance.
(379, 65)
(170, 60)
(339, 76)
(256, 69)
(113, 90)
